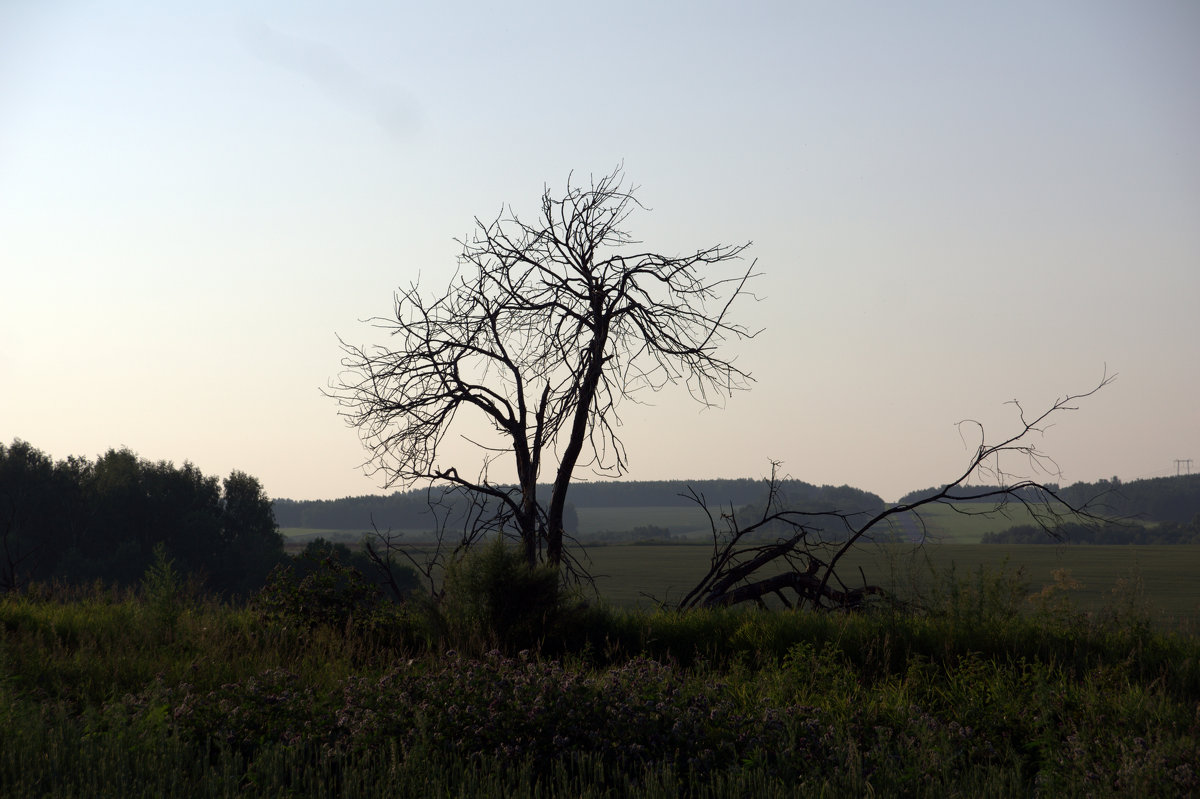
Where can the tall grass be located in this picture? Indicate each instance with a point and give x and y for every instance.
(980, 693)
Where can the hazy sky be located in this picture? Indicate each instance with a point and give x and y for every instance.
(952, 204)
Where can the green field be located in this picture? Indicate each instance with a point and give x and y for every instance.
(631, 575)
(679, 520)
(960, 524)
(940, 522)
(309, 533)
(1166, 574)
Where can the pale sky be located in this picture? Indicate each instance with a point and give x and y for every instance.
(952, 204)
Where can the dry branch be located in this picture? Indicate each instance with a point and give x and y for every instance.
(806, 560)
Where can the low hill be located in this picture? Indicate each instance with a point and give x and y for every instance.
(1156, 499)
(414, 510)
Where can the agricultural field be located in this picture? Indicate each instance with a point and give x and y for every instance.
(961, 524)
(1163, 578)
(958, 524)
(686, 521)
(642, 575)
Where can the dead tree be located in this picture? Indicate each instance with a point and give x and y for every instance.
(545, 329)
(800, 567)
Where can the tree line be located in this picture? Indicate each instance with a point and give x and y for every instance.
(426, 510)
(1154, 499)
(1109, 534)
(1157, 499)
(78, 521)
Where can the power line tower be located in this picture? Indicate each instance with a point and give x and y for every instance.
(1179, 462)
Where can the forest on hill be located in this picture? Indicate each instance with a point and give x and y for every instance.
(1118, 534)
(420, 508)
(1154, 499)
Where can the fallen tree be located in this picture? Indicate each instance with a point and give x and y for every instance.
(800, 566)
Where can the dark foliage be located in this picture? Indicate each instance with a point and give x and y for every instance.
(493, 598)
(1157, 499)
(1109, 534)
(1163, 499)
(401, 510)
(327, 593)
(403, 580)
(328, 585)
(522, 709)
(964, 493)
(78, 521)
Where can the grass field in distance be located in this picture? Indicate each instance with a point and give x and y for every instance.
(941, 522)
(1162, 576)
(628, 574)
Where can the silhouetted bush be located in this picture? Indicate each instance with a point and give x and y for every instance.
(493, 598)
(331, 594)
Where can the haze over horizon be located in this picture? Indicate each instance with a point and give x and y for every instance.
(951, 205)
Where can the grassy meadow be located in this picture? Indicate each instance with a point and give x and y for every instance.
(631, 575)
(939, 523)
(159, 695)
(1039, 671)
(1161, 578)
(682, 521)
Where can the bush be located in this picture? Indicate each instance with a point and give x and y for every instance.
(494, 599)
(331, 594)
(400, 581)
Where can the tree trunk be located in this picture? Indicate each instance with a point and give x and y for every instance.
(562, 481)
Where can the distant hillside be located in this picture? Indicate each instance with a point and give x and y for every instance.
(410, 510)
(1112, 534)
(1156, 499)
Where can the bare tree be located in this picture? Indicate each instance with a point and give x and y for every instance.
(545, 329)
(800, 566)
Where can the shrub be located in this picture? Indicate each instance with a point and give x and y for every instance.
(331, 594)
(163, 591)
(399, 580)
(494, 599)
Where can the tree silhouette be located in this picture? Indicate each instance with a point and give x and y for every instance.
(544, 330)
